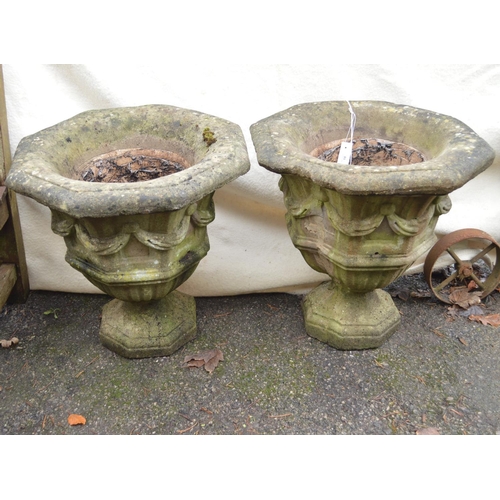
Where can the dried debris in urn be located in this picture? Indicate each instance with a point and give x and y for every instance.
(132, 166)
(376, 152)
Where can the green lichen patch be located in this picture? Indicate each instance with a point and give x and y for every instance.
(208, 136)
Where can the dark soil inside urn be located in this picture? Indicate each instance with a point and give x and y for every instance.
(132, 165)
(372, 152)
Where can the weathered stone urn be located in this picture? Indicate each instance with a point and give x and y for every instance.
(364, 224)
(136, 240)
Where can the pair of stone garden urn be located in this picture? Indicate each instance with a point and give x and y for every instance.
(141, 235)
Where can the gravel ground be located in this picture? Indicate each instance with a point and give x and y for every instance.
(438, 373)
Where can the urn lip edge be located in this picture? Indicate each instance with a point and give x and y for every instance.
(32, 174)
(462, 156)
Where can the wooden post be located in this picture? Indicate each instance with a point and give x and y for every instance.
(14, 284)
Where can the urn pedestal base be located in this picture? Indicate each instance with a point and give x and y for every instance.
(346, 320)
(148, 329)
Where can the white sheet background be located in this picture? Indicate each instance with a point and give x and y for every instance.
(250, 247)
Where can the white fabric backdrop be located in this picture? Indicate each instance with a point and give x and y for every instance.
(250, 247)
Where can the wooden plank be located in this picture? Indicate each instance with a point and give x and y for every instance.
(11, 240)
(8, 278)
(4, 209)
(3, 167)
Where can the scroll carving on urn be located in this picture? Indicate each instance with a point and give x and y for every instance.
(332, 229)
(106, 250)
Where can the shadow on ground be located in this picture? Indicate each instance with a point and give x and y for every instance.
(438, 371)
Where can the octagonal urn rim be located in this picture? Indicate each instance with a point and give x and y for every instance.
(45, 163)
(454, 153)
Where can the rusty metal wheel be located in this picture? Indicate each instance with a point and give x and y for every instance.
(462, 257)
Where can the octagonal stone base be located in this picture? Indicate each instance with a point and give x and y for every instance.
(347, 320)
(148, 329)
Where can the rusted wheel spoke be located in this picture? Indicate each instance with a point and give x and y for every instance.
(480, 255)
(444, 283)
(456, 258)
(478, 282)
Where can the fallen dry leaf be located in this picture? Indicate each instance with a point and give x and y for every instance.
(456, 310)
(212, 363)
(209, 359)
(195, 363)
(490, 320)
(75, 419)
(473, 310)
(9, 343)
(403, 294)
(428, 431)
(463, 298)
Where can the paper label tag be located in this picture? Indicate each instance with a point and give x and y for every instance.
(345, 153)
